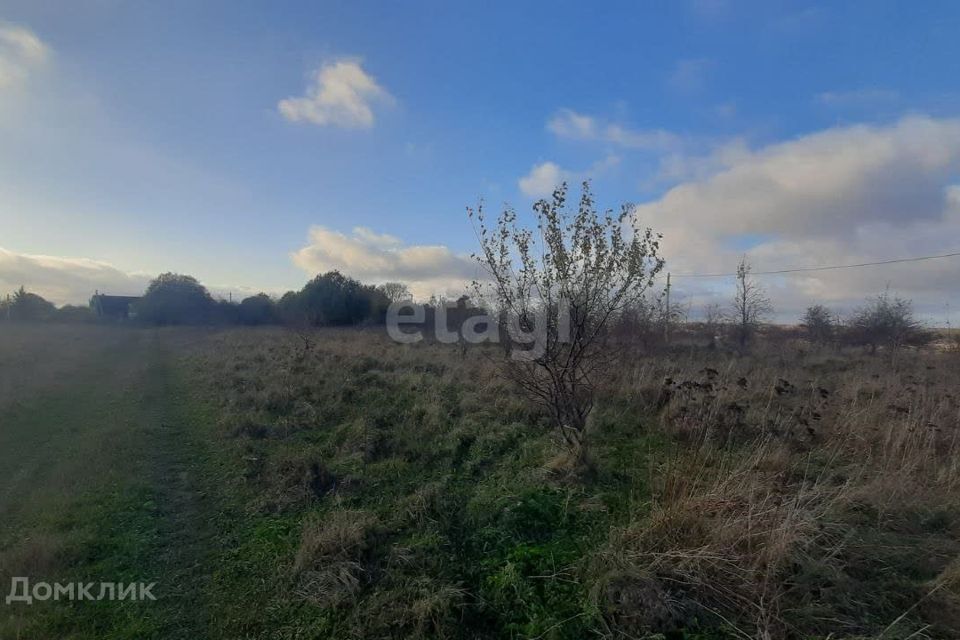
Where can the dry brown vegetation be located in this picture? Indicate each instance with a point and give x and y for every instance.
(363, 489)
(805, 492)
(792, 492)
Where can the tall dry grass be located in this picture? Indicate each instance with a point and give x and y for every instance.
(785, 493)
(789, 467)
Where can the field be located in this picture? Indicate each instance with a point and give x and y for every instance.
(356, 488)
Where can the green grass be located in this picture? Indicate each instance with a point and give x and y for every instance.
(87, 453)
(370, 490)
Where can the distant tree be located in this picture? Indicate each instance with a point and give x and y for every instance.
(751, 306)
(395, 291)
(712, 315)
(332, 299)
(289, 308)
(819, 323)
(668, 315)
(258, 310)
(886, 321)
(292, 314)
(636, 326)
(24, 306)
(173, 298)
(596, 264)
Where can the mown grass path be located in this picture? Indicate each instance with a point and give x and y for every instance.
(101, 468)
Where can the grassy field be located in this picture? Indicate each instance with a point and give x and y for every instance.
(363, 489)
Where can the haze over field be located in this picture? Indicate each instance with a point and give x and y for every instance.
(255, 148)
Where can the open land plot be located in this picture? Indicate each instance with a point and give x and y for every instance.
(353, 487)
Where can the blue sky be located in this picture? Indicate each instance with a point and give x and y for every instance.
(138, 137)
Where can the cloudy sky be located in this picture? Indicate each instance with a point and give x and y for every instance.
(255, 144)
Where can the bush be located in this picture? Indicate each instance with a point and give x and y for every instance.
(589, 267)
(886, 321)
(819, 323)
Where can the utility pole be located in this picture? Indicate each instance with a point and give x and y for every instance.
(666, 320)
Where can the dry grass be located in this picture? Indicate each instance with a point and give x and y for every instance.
(329, 562)
(786, 493)
(786, 462)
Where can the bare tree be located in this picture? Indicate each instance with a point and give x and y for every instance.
(583, 272)
(713, 319)
(712, 315)
(751, 306)
(395, 291)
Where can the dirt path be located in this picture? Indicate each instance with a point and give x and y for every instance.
(185, 540)
(102, 469)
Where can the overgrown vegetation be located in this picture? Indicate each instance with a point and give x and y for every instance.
(565, 291)
(413, 493)
(369, 489)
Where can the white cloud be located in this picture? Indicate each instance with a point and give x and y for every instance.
(21, 52)
(829, 182)
(543, 179)
(680, 157)
(341, 94)
(844, 195)
(577, 126)
(374, 258)
(679, 166)
(66, 280)
(547, 176)
(570, 124)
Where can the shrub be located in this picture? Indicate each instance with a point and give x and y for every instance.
(886, 321)
(819, 323)
(589, 269)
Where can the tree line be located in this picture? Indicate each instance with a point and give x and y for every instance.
(333, 299)
(883, 320)
(329, 299)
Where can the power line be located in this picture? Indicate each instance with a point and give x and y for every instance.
(827, 268)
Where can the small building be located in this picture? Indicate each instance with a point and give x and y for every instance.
(113, 307)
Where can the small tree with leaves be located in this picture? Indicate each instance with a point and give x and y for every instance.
(819, 323)
(583, 270)
(751, 306)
